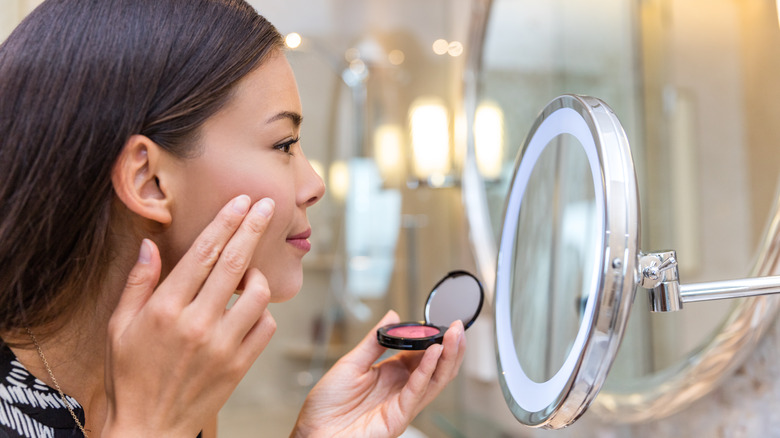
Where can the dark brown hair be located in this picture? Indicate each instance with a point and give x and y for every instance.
(77, 79)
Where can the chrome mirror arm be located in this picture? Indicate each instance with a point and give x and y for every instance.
(659, 274)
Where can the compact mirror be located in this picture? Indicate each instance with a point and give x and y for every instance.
(459, 295)
(566, 258)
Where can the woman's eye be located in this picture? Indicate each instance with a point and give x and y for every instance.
(286, 146)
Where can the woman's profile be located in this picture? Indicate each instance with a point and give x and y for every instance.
(151, 166)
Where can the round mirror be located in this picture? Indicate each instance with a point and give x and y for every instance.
(555, 242)
(458, 296)
(566, 261)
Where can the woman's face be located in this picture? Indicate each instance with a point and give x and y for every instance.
(249, 147)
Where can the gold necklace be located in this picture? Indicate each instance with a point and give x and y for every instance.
(56, 385)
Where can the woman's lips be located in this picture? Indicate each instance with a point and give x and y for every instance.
(301, 240)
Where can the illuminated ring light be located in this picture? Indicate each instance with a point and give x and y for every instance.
(540, 399)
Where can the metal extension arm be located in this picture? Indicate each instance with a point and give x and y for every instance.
(660, 275)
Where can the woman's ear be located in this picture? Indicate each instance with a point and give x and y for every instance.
(136, 180)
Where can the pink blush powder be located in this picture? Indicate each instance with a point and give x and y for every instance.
(413, 331)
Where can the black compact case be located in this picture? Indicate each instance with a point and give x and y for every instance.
(459, 295)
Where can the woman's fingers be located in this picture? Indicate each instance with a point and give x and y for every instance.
(249, 323)
(249, 307)
(434, 371)
(369, 350)
(232, 263)
(452, 356)
(140, 285)
(197, 263)
(257, 338)
(200, 349)
(412, 396)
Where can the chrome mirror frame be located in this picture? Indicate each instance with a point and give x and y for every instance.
(676, 387)
(559, 401)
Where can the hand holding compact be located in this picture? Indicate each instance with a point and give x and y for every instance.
(457, 297)
(360, 398)
(175, 354)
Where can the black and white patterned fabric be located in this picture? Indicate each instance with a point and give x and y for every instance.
(29, 408)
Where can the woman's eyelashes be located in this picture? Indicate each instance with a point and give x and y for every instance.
(287, 145)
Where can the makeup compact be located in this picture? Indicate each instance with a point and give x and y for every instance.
(458, 295)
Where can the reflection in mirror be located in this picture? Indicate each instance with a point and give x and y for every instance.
(553, 251)
(458, 296)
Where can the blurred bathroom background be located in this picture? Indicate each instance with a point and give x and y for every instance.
(391, 90)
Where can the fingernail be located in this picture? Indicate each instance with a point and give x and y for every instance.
(265, 206)
(145, 255)
(459, 329)
(241, 204)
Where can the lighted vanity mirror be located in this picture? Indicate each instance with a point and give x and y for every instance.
(569, 264)
(566, 261)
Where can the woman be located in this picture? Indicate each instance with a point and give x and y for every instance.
(150, 167)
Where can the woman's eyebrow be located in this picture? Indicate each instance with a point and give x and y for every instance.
(291, 115)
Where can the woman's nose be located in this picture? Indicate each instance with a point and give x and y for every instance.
(313, 186)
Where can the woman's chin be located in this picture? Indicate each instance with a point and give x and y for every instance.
(286, 291)
(282, 297)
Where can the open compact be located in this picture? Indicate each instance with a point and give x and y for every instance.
(458, 295)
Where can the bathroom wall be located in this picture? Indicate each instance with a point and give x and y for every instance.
(11, 12)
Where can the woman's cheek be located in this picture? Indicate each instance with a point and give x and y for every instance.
(282, 269)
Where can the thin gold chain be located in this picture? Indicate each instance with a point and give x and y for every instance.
(56, 385)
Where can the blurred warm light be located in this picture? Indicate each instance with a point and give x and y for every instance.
(397, 57)
(352, 54)
(357, 67)
(318, 168)
(489, 139)
(455, 48)
(370, 50)
(388, 152)
(440, 46)
(437, 180)
(777, 6)
(293, 40)
(338, 181)
(430, 137)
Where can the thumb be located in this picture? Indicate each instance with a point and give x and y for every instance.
(369, 349)
(140, 284)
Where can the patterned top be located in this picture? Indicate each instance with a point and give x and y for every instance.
(29, 408)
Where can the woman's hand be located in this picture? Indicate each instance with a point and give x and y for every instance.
(362, 399)
(175, 354)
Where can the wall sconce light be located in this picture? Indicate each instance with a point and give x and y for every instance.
(293, 40)
(489, 139)
(338, 180)
(389, 153)
(429, 123)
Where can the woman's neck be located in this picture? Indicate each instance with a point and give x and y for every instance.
(76, 353)
(74, 358)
